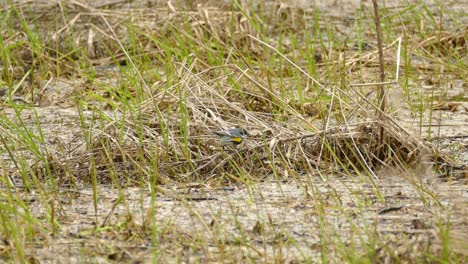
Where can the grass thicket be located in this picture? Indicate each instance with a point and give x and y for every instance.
(149, 84)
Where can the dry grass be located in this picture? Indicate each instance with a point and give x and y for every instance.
(109, 107)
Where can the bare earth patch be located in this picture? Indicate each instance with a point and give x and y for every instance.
(278, 220)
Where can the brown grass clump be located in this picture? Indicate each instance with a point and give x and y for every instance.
(278, 145)
(169, 134)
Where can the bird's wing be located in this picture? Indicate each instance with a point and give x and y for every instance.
(221, 133)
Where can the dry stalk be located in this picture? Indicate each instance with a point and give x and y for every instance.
(381, 97)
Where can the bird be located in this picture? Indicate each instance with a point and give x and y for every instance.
(231, 137)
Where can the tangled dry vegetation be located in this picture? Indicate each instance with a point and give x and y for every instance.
(149, 83)
(169, 131)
